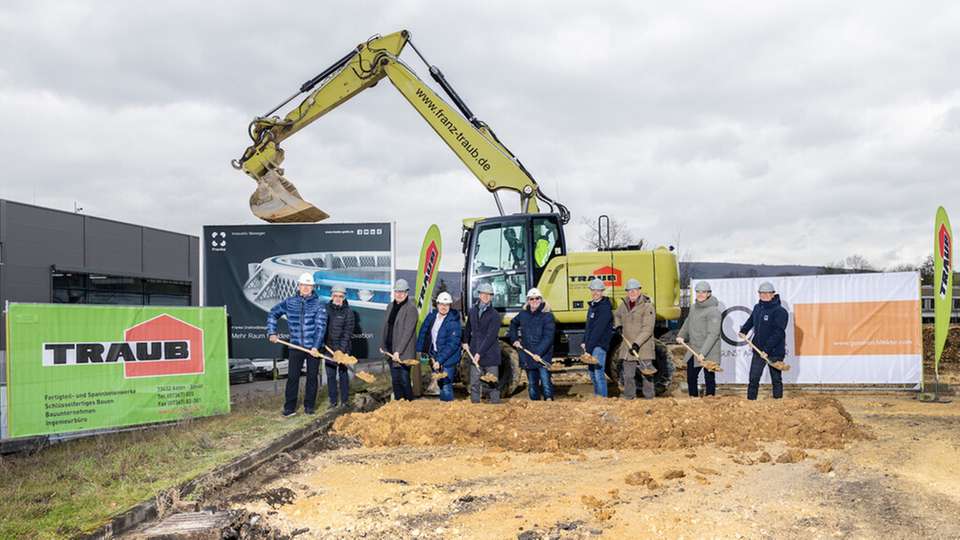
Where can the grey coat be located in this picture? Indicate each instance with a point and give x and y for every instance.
(701, 330)
(404, 330)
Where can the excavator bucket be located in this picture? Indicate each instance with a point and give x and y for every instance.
(277, 200)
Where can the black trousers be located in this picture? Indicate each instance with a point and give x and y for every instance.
(338, 383)
(297, 358)
(756, 371)
(693, 374)
(400, 376)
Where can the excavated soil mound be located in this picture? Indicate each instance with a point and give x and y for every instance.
(540, 426)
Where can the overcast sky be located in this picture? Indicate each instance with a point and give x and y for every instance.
(764, 132)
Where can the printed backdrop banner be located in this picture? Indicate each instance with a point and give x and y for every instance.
(75, 368)
(250, 268)
(843, 328)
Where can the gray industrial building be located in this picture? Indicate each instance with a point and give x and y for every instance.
(54, 256)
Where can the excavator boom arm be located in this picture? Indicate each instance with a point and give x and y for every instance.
(470, 139)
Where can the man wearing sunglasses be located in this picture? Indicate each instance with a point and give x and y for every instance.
(531, 331)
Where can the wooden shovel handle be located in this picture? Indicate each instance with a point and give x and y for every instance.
(297, 347)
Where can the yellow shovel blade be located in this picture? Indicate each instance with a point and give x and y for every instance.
(277, 200)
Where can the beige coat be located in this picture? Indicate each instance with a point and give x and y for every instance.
(638, 324)
(701, 330)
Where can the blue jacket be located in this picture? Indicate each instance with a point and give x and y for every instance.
(769, 324)
(482, 334)
(599, 328)
(448, 339)
(535, 331)
(306, 319)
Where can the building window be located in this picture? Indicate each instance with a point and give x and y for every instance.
(83, 288)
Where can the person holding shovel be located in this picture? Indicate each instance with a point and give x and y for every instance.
(307, 322)
(340, 323)
(440, 340)
(480, 341)
(635, 317)
(769, 324)
(399, 339)
(531, 332)
(701, 332)
(597, 335)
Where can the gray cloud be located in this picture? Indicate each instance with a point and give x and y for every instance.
(773, 132)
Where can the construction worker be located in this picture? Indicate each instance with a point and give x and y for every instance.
(635, 318)
(701, 332)
(480, 340)
(531, 331)
(399, 338)
(439, 339)
(769, 324)
(307, 322)
(340, 323)
(597, 334)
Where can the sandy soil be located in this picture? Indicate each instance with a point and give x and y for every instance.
(895, 475)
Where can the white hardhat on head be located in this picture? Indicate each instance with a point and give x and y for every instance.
(597, 285)
(401, 285)
(632, 284)
(306, 278)
(338, 289)
(444, 298)
(534, 293)
(766, 286)
(702, 286)
(485, 287)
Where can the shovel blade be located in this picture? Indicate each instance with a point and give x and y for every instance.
(277, 200)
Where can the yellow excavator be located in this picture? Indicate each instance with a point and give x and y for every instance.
(512, 252)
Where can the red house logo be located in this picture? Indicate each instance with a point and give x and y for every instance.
(166, 328)
(611, 277)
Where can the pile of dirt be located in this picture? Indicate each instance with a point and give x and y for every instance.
(951, 350)
(570, 426)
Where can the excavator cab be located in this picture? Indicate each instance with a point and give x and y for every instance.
(510, 253)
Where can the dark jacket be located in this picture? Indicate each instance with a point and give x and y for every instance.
(404, 330)
(306, 319)
(535, 332)
(340, 323)
(769, 324)
(599, 328)
(448, 339)
(482, 333)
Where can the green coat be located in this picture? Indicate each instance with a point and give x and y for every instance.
(637, 326)
(701, 330)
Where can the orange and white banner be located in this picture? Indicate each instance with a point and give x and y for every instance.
(843, 328)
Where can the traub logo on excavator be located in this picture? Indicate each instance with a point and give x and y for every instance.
(610, 276)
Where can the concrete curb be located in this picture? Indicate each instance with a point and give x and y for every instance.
(148, 510)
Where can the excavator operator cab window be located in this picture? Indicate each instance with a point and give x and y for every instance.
(500, 258)
(544, 241)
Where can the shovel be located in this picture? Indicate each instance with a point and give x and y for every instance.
(486, 377)
(341, 357)
(396, 358)
(782, 366)
(536, 358)
(708, 365)
(362, 375)
(646, 368)
(588, 358)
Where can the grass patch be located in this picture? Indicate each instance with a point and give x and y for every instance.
(73, 487)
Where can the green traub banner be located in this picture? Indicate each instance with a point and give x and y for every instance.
(81, 367)
(942, 282)
(427, 271)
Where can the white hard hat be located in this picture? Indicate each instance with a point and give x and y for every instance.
(597, 285)
(632, 284)
(534, 293)
(767, 287)
(702, 286)
(306, 278)
(401, 285)
(485, 287)
(338, 289)
(444, 298)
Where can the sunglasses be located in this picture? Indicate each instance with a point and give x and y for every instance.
(537, 298)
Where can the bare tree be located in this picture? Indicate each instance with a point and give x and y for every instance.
(854, 263)
(620, 234)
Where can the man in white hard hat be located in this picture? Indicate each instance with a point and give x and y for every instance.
(532, 331)
(439, 339)
(307, 322)
(340, 323)
(701, 332)
(481, 340)
(597, 334)
(399, 339)
(635, 318)
(769, 324)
